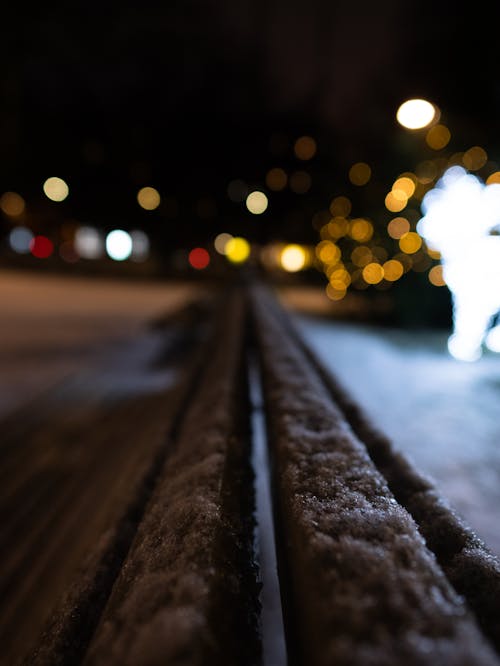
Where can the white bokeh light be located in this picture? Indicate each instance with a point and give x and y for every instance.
(119, 245)
(416, 114)
(461, 221)
(140, 245)
(89, 244)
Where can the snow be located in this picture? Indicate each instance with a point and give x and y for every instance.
(442, 413)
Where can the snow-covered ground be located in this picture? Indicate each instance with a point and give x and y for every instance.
(52, 327)
(444, 414)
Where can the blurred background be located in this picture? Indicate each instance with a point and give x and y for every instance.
(215, 135)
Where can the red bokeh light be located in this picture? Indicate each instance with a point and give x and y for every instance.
(199, 258)
(41, 247)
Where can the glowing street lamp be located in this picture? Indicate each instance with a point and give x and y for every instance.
(416, 114)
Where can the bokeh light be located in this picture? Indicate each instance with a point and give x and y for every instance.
(335, 294)
(256, 202)
(220, 242)
(397, 227)
(41, 247)
(276, 179)
(404, 187)
(436, 276)
(361, 256)
(426, 172)
(305, 148)
(373, 273)
(338, 227)
(119, 245)
(12, 204)
(410, 243)
(461, 215)
(474, 158)
(148, 198)
(395, 203)
(360, 173)
(237, 250)
(55, 189)
(340, 206)
(20, 240)
(438, 137)
(293, 258)
(89, 243)
(140, 245)
(393, 270)
(416, 114)
(328, 252)
(493, 178)
(361, 230)
(199, 258)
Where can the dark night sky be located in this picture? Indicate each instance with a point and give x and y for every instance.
(187, 96)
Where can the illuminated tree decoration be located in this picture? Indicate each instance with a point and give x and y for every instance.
(461, 218)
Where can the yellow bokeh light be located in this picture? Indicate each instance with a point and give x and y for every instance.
(474, 158)
(436, 276)
(360, 173)
(338, 227)
(340, 207)
(300, 182)
(410, 242)
(325, 233)
(404, 184)
(305, 148)
(293, 258)
(399, 195)
(328, 252)
(330, 268)
(148, 198)
(434, 254)
(220, 242)
(361, 230)
(55, 189)
(393, 270)
(373, 273)
(493, 178)
(438, 137)
(456, 159)
(335, 294)
(395, 204)
(237, 250)
(339, 278)
(12, 204)
(361, 256)
(397, 227)
(276, 179)
(256, 202)
(416, 114)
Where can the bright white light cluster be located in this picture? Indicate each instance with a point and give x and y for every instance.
(461, 216)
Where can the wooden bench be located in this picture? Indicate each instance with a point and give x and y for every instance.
(371, 565)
